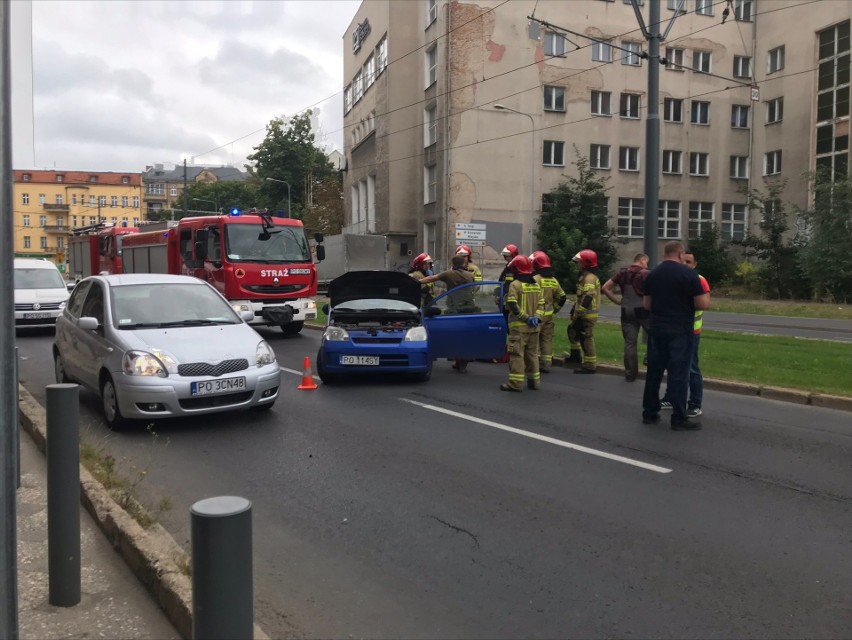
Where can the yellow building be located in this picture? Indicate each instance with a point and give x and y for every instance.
(48, 205)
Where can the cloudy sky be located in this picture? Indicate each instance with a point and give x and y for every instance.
(123, 84)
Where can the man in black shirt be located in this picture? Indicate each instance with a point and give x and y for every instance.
(673, 293)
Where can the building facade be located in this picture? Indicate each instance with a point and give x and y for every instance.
(163, 185)
(48, 205)
(460, 116)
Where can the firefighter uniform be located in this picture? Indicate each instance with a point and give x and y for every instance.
(581, 331)
(554, 299)
(477, 273)
(427, 291)
(526, 293)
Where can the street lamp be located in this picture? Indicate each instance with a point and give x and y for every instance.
(288, 193)
(215, 204)
(503, 107)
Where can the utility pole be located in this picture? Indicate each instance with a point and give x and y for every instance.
(185, 192)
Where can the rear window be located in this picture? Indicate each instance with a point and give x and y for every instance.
(38, 279)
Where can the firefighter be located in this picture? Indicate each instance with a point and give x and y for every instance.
(554, 300)
(584, 315)
(460, 302)
(509, 252)
(525, 305)
(421, 267)
(464, 250)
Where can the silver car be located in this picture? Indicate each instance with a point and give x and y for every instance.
(160, 346)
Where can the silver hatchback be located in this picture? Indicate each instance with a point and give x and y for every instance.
(159, 346)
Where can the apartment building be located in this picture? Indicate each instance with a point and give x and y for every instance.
(48, 205)
(163, 184)
(461, 116)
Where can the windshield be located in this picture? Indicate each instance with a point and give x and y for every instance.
(376, 304)
(166, 304)
(38, 279)
(281, 244)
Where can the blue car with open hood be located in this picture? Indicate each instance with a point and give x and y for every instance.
(375, 325)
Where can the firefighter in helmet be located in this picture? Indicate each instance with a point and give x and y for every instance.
(421, 267)
(464, 250)
(525, 306)
(584, 315)
(509, 252)
(554, 300)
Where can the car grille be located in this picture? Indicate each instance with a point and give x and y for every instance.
(205, 402)
(284, 288)
(376, 340)
(393, 360)
(43, 306)
(193, 369)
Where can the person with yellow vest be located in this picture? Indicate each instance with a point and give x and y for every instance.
(421, 267)
(525, 306)
(554, 300)
(581, 330)
(464, 250)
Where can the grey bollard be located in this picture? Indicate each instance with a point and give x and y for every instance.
(222, 595)
(17, 428)
(63, 494)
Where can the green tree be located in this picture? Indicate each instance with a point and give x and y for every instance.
(223, 196)
(574, 217)
(715, 261)
(325, 212)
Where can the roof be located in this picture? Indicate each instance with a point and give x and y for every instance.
(158, 173)
(149, 278)
(78, 177)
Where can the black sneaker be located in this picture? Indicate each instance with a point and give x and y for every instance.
(665, 405)
(650, 419)
(686, 425)
(693, 412)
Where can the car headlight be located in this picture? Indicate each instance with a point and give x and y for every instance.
(416, 334)
(61, 306)
(312, 304)
(141, 363)
(264, 354)
(335, 334)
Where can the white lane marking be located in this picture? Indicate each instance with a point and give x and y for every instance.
(535, 436)
(298, 373)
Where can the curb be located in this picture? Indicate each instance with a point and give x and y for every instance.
(151, 554)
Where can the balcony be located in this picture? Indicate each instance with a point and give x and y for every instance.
(57, 228)
(55, 207)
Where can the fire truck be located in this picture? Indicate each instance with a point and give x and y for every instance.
(96, 249)
(259, 263)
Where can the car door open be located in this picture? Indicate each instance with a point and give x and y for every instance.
(467, 322)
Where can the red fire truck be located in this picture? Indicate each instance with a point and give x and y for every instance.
(95, 249)
(259, 263)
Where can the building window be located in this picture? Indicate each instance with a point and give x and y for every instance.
(27, 242)
(124, 220)
(772, 163)
(430, 130)
(701, 61)
(431, 66)
(60, 242)
(672, 161)
(115, 219)
(554, 153)
(600, 103)
(60, 177)
(369, 72)
(628, 158)
(700, 218)
(602, 51)
(173, 191)
(700, 112)
(73, 198)
(740, 167)
(113, 201)
(27, 177)
(125, 180)
(93, 201)
(42, 198)
(93, 220)
(776, 60)
(25, 198)
(154, 189)
(677, 5)
(733, 221)
(668, 220)
(673, 110)
(26, 220)
(704, 7)
(357, 86)
(381, 55)
(674, 59)
(430, 184)
(123, 201)
(742, 67)
(554, 98)
(599, 156)
(93, 179)
(739, 116)
(102, 201)
(554, 44)
(73, 221)
(135, 222)
(347, 99)
(42, 242)
(632, 53)
(431, 11)
(743, 10)
(629, 107)
(774, 110)
(699, 164)
(58, 198)
(135, 202)
(631, 217)
(42, 221)
(832, 132)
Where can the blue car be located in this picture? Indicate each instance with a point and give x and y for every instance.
(375, 325)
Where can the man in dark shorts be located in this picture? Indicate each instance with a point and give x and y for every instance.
(673, 293)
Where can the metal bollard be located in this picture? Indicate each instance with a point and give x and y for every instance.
(222, 595)
(63, 494)
(17, 428)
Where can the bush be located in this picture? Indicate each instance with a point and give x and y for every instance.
(713, 256)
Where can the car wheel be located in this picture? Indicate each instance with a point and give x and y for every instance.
(59, 370)
(324, 375)
(292, 328)
(424, 377)
(109, 400)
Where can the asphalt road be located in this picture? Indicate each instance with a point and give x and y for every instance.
(449, 509)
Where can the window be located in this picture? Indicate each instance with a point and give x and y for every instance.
(114, 220)
(743, 10)
(739, 116)
(358, 86)
(674, 59)
(631, 217)
(43, 242)
(774, 110)
(173, 191)
(73, 221)
(60, 177)
(93, 219)
(27, 177)
(154, 189)
(733, 221)
(600, 103)
(776, 60)
(27, 242)
(742, 67)
(629, 105)
(554, 44)
(554, 154)
(668, 220)
(93, 179)
(704, 7)
(602, 51)
(113, 201)
(700, 218)
(369, 71)
(701, 61)
(676, 5)
(25, 198)
(26, 220)
(135, 202)
(700, 112)
(430, 122)
(554, 98)
(42, 221)
(699, 164)
(125, 179)
(672, 161)
(832, 133)
(431, 11)
(102, 201)
(740, 166)
(381, 55)
(60, 242)
(772, 163)
(73, 198)
(347, 99)
(430, 186)
(632, 54)
(42, 198)
(58, 198)
(599, 156)
(628, 158)
(123, 201)
(673, 110)
(431, 66)
(93, 201)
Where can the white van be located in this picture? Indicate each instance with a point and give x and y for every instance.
(40, 292)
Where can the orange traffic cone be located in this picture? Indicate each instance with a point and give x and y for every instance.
(307, 376)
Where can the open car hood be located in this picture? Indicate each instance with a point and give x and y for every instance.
(359, 285)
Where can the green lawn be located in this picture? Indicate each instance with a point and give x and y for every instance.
(794, 309)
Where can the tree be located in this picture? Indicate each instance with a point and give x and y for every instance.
(222, 196)
(574, 217)
(712, 255)
(325, 213)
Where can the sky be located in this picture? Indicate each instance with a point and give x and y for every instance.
(124, 84)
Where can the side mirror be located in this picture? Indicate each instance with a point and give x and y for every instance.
(247, 316)
(325, 308)
(88, 323)
(432, 311)
(70, 286)
(320, 253)
(318, 238)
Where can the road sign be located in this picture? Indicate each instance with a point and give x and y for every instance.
(470, 234)
(470, 243)
(470, 226)
(755, 94)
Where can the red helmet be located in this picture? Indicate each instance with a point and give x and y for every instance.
(587, 259)
(520, 265)
(509, 250)
(540, 260)
(463, 250)
(420, 260)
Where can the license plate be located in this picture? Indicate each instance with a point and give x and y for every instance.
(36, 316)
(212, 387)
(370, 361)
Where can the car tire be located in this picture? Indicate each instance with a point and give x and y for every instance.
(424, 377)
(292, 328)
(325, 376)
(59, 370)
(109, 404)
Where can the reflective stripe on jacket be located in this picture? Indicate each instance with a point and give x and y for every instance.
(552, 291)
(588, 285)
(530, 301)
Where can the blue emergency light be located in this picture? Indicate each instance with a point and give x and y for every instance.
(235, 212)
